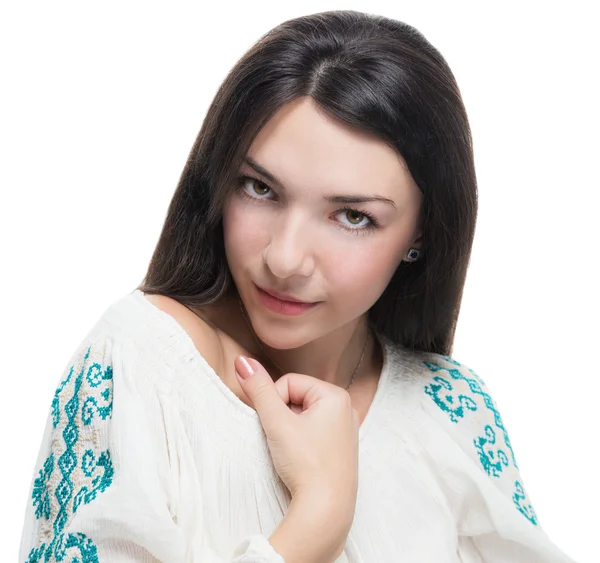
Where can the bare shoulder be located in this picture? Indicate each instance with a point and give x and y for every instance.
(202, 333)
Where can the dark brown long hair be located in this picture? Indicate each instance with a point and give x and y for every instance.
(379, 76)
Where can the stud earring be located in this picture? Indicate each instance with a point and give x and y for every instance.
(412, 255)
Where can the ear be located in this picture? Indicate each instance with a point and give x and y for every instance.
(417, 241)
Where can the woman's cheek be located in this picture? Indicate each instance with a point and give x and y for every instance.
(243, 231)
(368, 273)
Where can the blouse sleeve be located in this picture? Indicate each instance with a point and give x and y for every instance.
(495, 517)
(99, 493)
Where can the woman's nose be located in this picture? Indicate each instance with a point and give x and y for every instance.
(289, 252)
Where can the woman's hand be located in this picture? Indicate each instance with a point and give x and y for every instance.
(314, 444)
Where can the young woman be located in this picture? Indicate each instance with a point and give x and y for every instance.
(280, 386)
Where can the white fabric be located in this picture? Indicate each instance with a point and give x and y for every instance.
(148, 456)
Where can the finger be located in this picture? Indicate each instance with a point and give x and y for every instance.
(260, 388)
(304, 390)
(282, 388)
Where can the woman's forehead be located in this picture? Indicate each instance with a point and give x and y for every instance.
(301, 148)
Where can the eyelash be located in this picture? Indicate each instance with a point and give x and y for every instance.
(373, 224)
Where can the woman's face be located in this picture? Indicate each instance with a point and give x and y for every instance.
(291, 237)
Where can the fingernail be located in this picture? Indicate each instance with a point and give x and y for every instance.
(245, 368)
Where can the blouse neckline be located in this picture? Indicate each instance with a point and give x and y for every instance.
(189, 347)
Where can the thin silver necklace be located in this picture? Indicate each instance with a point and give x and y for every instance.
(275, 364)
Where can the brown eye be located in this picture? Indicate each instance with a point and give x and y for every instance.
(354, 216)
(262, 188)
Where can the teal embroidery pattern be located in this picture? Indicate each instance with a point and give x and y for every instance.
(488, 456)
(525, 510)
(99, 483)
(54, 495)
(493, 456)
(40, 494)
(96, 376)
(454, 406)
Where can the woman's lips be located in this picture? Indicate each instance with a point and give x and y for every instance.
(283, 307)
(284, 297)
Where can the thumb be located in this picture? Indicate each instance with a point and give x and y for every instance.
(260, 389)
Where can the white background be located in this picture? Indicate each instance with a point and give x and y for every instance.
(101, 103)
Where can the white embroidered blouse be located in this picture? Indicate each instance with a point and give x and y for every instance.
(148, 456)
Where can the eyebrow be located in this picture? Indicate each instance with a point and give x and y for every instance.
(331, 198)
